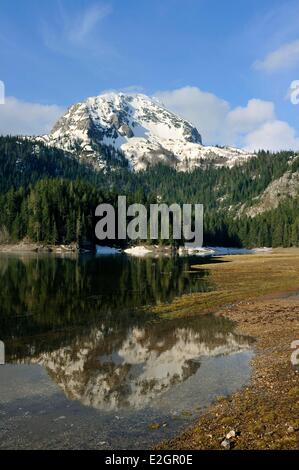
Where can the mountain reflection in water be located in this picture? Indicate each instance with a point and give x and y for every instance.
(83, 320)
(132, 368)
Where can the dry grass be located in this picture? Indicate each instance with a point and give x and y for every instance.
(237, 278)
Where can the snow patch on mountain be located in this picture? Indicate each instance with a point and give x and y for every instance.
(138, 131)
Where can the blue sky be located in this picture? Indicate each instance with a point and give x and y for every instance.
(227, 66)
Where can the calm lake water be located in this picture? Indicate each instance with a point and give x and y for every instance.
(89, 366)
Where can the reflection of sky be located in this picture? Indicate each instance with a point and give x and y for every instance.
(17, 382)
(136, 369)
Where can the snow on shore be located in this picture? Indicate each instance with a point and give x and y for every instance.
(220, 250)
(198, 251)
(138, 251)
(141, 250)
(263, 250)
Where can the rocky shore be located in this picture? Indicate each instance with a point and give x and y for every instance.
(265, 414)
(38, 248)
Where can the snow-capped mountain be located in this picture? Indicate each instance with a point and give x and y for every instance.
(136, 130)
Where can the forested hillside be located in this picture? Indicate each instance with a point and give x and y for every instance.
(49, 196)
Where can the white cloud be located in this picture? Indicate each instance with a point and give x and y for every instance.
(252, 127)
(81, 26)
(245, 119)
(205, 110)
(74, 32)
(293, 92)
(132, 89)
(285, 57)
(276, 135)
(24, 118)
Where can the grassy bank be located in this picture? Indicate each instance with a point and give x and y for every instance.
(239, 277)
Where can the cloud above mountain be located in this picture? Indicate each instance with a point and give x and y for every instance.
(251, 127)
(245, 119)
(205, 110)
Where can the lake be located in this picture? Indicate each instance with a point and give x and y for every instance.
(89, 366)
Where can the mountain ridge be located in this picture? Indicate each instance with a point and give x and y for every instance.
(136, 130)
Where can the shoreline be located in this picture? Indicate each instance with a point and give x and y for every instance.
(136, 250)
(23, 248)
(265, 413)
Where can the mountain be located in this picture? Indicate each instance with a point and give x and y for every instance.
(137, 131)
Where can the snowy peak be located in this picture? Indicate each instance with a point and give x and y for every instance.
(126, 116)
(134, 130)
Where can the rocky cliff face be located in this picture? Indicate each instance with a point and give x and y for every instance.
(137, 131)
(276, 192)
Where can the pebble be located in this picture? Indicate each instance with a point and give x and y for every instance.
(60, 418)
(226, 444)
(290, 429)
(231, 434)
